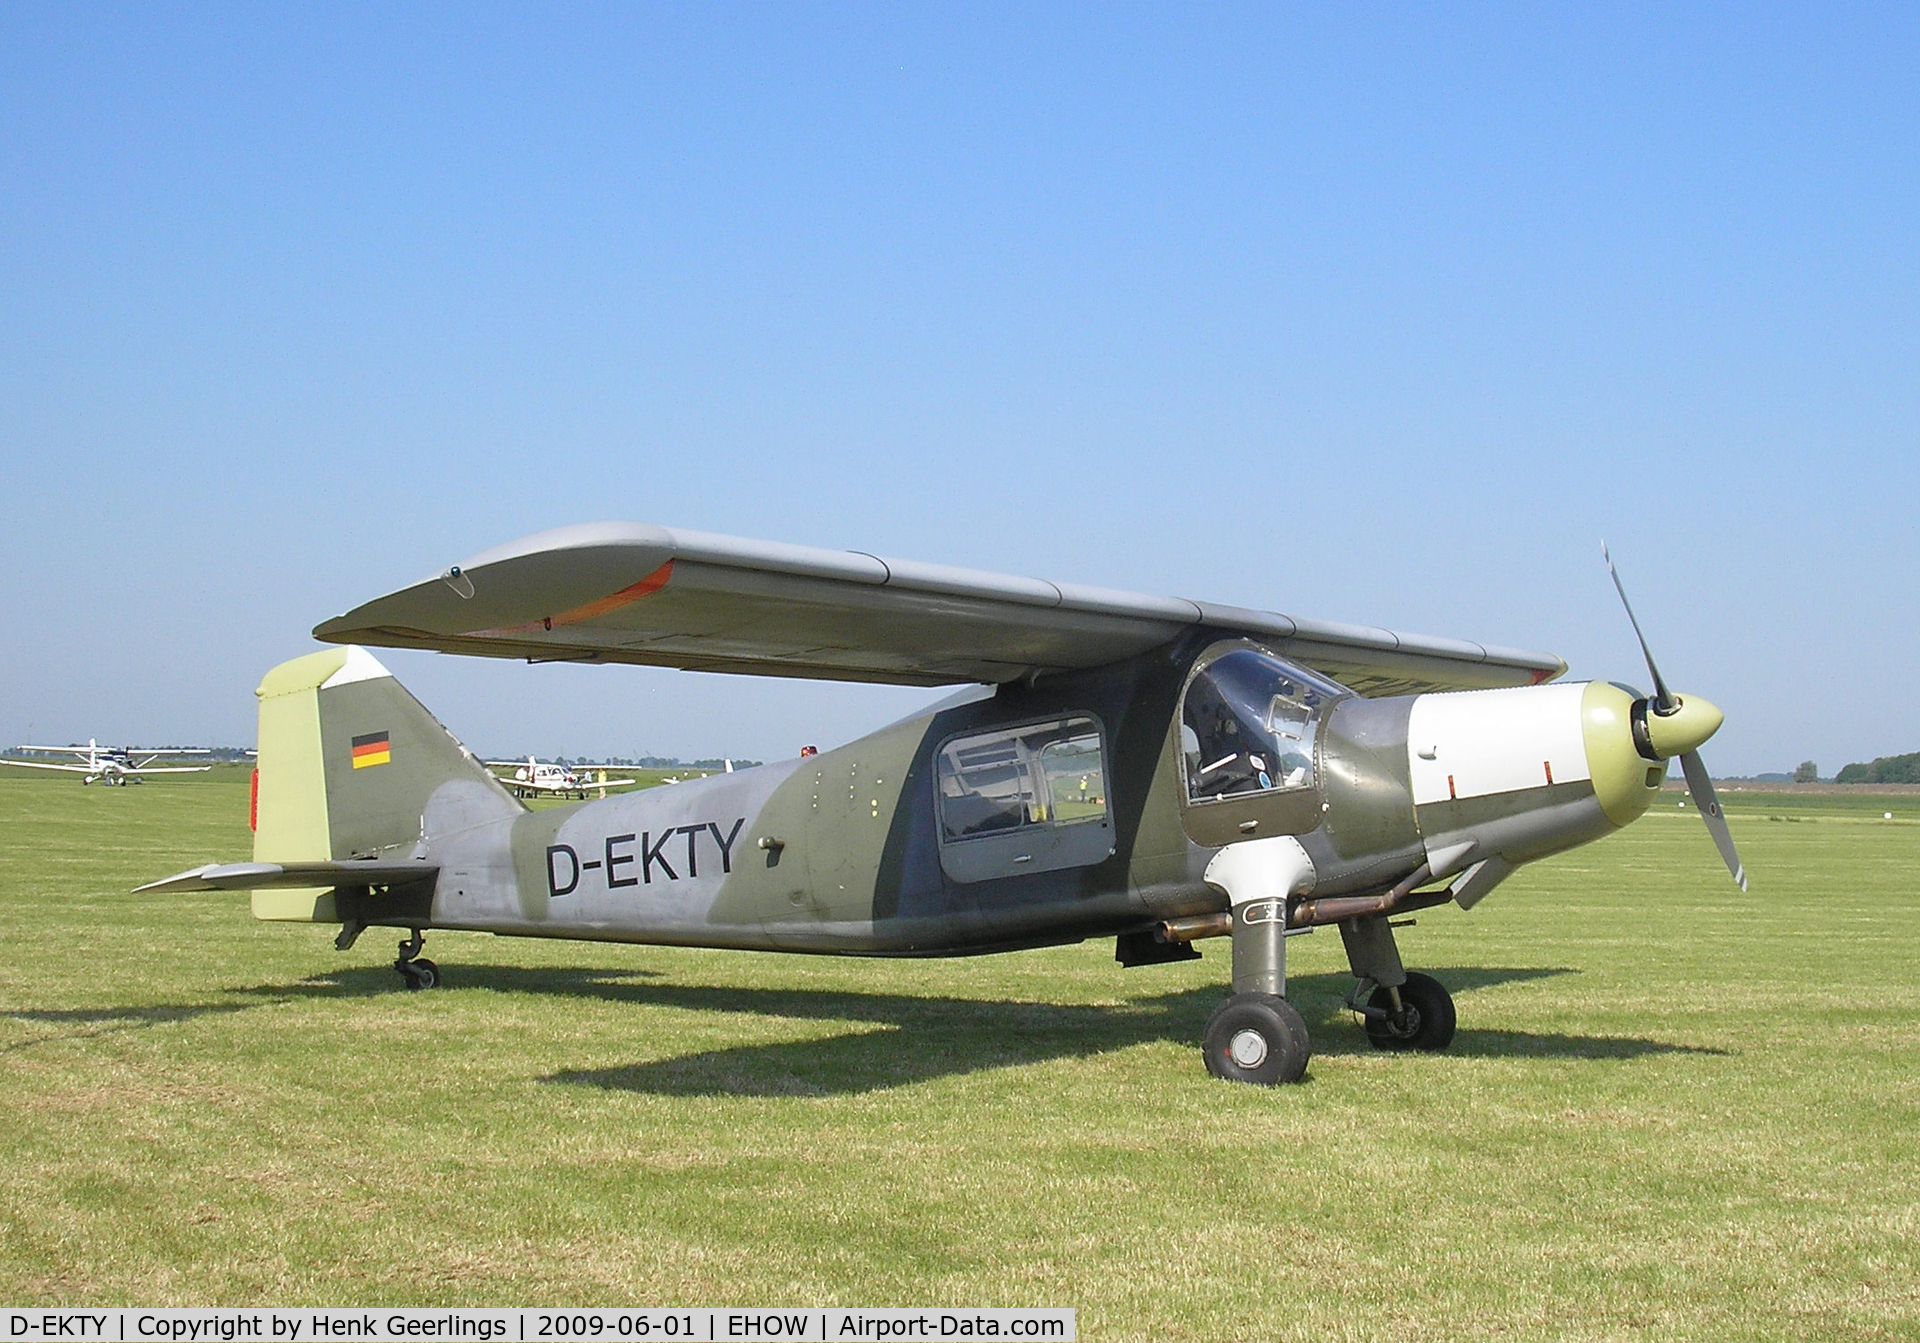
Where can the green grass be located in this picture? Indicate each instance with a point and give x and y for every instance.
(1904, 806)
(1673, 1111)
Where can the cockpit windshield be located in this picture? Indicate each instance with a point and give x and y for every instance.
(1249, 725)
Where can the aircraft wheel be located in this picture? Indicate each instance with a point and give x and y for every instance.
(1426, 1020)
(420, 974)
(1258, 1038)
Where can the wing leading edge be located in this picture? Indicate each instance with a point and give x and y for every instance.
(641, 594)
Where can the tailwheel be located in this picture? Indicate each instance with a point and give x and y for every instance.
(415, 969)
(1258, 1038)
(1422, 1019)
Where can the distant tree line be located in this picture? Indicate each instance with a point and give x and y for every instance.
(1886, 769)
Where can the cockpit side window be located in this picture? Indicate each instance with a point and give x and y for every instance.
(1249, 726)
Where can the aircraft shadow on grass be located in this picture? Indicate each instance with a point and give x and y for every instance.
(907, 1038)
(89, 1021)
(83, 1022)
(923, 1038)
(911, 1039)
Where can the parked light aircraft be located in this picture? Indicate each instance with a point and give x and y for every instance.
(532, 777)
(110, 765)
(1148, 769)
(728, 764)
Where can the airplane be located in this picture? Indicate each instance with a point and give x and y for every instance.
(675, 778)
(536, 777)
(1154, 770)
(105, 764)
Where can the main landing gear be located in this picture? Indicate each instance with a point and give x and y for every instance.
(1257, 1035)
(415, 969)
(1400, 1009)
(1421, 1018)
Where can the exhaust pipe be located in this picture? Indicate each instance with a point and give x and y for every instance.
(1193, 927)
(1314, 913)
(1338, 908)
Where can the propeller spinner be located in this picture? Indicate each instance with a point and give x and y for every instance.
(1668, 725)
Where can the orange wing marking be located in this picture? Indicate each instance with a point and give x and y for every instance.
(613, 601)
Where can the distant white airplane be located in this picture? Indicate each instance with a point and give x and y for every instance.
(536, 777)
(675, 778)
(124, 765)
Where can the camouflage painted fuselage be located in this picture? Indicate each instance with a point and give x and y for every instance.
(845, 851)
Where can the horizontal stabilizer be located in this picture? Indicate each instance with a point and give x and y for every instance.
(294, 876)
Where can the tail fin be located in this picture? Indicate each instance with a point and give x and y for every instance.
(348, 760)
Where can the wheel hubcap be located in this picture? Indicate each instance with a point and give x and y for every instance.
(1248, 1048)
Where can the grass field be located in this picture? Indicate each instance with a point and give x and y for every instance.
(1673, 1111)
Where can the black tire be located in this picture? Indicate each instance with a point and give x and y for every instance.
(1425, 1023)
(1258, 1038)
(426, 973)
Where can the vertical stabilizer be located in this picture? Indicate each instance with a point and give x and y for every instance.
(348, 760)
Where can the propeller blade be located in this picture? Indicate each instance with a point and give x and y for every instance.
(1707, 803)
(1662, 701)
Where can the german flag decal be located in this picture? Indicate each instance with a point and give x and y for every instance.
(372, 749)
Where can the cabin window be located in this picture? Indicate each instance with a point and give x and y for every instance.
(1051, 774)
(1249, 726)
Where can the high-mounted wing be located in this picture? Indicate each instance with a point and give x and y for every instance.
(636, 593)
(47, 764)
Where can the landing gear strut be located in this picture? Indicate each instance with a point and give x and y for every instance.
(415, 969)
(1256, 1035)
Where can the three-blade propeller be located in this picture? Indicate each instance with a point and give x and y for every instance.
(1666, 705)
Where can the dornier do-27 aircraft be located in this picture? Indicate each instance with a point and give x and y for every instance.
(122, 765)
(1149, 769)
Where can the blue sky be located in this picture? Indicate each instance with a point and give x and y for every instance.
(1385, 315)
